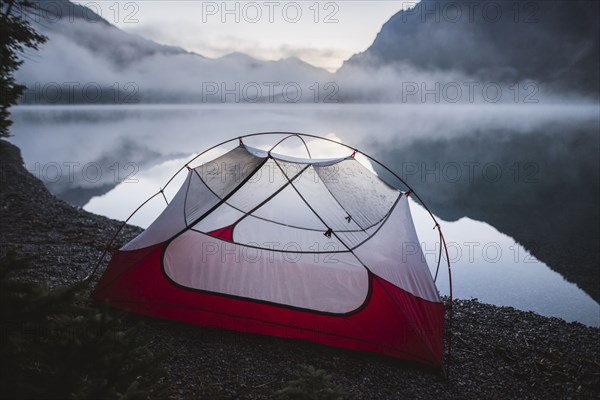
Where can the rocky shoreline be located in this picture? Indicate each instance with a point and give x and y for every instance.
(498, 352)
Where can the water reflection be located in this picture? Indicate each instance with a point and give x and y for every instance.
(529, 172)
(541, 187)
(493, 268)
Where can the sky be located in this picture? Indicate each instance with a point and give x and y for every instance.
(322, 33)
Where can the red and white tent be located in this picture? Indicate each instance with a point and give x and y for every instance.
(314, 249)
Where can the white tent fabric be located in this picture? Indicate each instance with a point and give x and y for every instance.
(319, 282)
(394, 253)
(169, 222)
(299, 232)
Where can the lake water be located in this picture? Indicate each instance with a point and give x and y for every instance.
(516, 188)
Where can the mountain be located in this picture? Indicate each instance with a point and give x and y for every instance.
(89, 30)
(555, 43)
(88, 60)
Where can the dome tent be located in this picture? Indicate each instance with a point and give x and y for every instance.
(316, 249)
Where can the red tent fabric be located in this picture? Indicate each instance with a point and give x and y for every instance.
(321, 250)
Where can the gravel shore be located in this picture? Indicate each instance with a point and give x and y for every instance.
(498, 352)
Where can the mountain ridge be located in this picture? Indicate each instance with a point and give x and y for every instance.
(555, 43)
(558, 54)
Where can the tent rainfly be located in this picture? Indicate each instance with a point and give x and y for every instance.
(315, 249)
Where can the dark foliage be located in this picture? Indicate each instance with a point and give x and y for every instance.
(55, 345)
(313, 384)
(16, 36)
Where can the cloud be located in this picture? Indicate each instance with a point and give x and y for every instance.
(128, 68)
